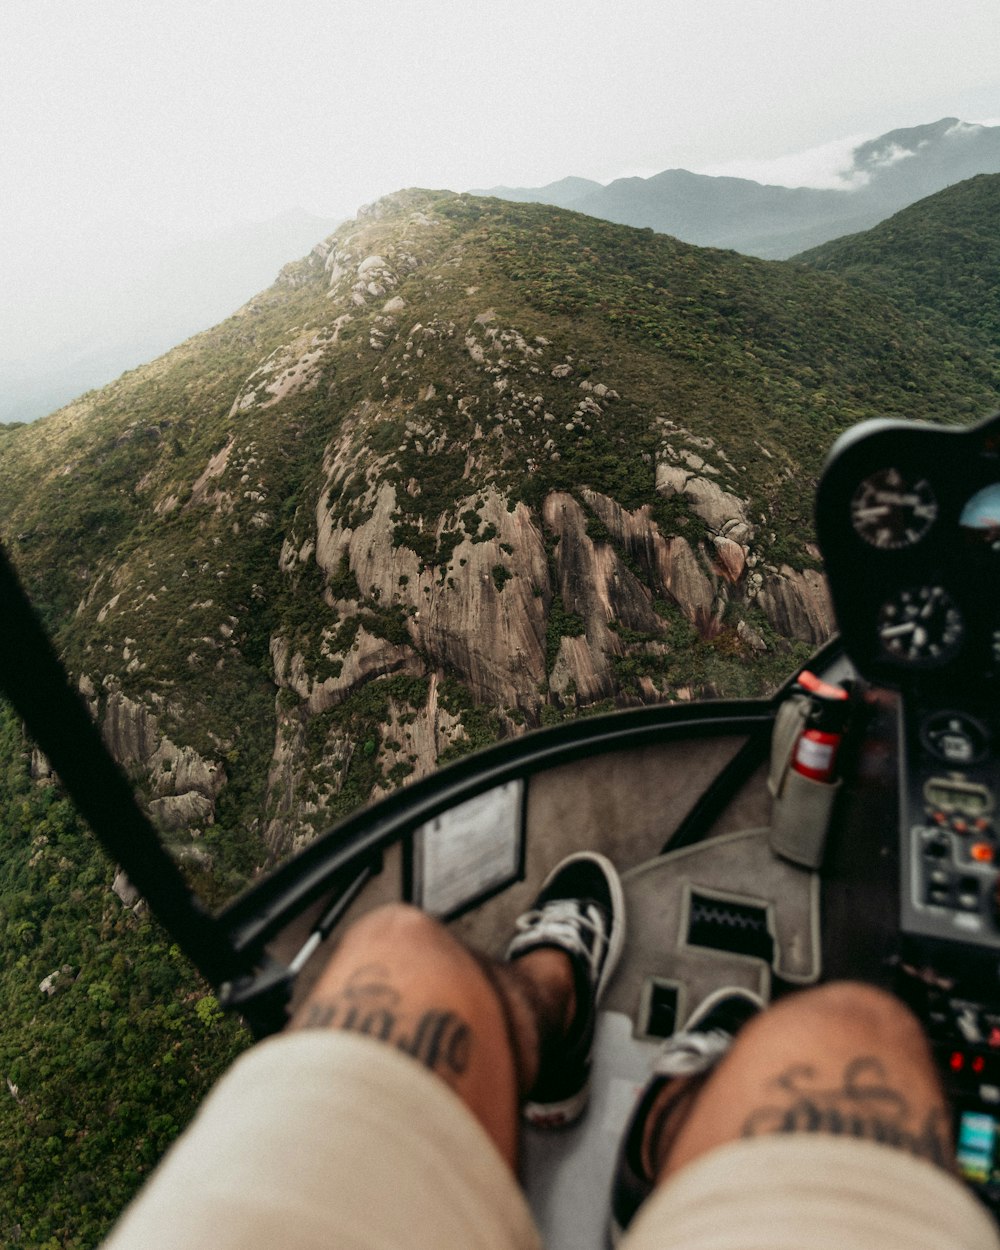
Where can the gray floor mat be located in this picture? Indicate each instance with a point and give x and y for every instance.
(739, 869)
(567, 1172)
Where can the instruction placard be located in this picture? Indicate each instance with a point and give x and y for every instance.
(470, 851)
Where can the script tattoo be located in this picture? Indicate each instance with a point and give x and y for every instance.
(865, 1105)
(368, 1004)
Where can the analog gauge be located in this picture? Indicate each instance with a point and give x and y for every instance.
(955, 737)
(890, 510)
(920, 626)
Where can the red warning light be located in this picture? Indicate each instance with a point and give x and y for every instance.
(957, 1061)
(978, 1064)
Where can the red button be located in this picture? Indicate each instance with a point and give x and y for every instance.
(981, 852)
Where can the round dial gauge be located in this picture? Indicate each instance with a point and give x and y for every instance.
(890, 510)
(920, 626)
(955, 737)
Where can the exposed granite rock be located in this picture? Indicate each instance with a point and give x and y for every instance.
(422, 737)
(125, 890)
(668, 561)
(180, 811)
(797, 604)
(492, 636)
(185, 784)
(722, 512)
(595, 585)
(575, 677)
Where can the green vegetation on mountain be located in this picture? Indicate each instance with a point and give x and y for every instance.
(941, 255)
(108, 1041)
(469, 468)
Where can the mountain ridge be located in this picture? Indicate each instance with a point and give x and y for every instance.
(776, 222)
(464, 390)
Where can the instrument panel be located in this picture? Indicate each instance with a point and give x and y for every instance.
(908, 522)
(908, 519)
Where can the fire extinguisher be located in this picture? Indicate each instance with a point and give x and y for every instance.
(815, 752)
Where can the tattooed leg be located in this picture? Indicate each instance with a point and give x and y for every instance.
(400, 977)
(843, 1059)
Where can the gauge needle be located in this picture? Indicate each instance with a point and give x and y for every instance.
(897, 631)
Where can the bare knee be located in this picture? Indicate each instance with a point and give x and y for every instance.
(850, 1013)
(395, 923)
(840, 1058)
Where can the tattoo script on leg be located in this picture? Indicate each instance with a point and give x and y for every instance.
(865, 1105)
(368, 1004)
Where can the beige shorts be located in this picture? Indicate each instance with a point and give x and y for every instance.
(330, 1141)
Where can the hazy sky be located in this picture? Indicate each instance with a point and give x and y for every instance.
(190, 114)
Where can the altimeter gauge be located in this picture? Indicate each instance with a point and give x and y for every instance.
(890, 510)
(920, 626)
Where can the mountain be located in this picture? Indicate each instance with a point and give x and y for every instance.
(565, 193)
(941, 254)
(469, 467)
(527, 461)
(884, 176)
(136, 296)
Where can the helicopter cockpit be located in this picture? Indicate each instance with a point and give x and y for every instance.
(847, 827)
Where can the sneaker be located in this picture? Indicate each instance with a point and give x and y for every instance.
(696, 1050)
(580, 910)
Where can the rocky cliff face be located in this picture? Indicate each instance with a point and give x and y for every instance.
(531, 608)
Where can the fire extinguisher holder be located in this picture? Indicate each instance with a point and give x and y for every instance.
(801, 805)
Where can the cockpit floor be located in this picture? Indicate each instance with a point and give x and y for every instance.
(725, 912)
(567, 1173)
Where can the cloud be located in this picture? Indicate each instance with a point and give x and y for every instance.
(971, 128)
(895, 153)
(830, 166)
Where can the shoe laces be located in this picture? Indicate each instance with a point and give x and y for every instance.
(689, 1053)
(562, 921)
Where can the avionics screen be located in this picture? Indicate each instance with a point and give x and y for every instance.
(968, 800)
(978, 1135)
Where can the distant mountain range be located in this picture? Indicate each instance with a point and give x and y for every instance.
(885, 175)
(140, 301)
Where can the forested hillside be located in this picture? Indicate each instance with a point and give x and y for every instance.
(468, 468)
(940, 255)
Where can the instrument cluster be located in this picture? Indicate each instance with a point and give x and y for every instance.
(908, 521)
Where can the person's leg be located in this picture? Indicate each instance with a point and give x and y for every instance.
(399, 976)
(823, 1124)
(831, 1073)
(507, 1037)
(844, 1059)
(341, 1131)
